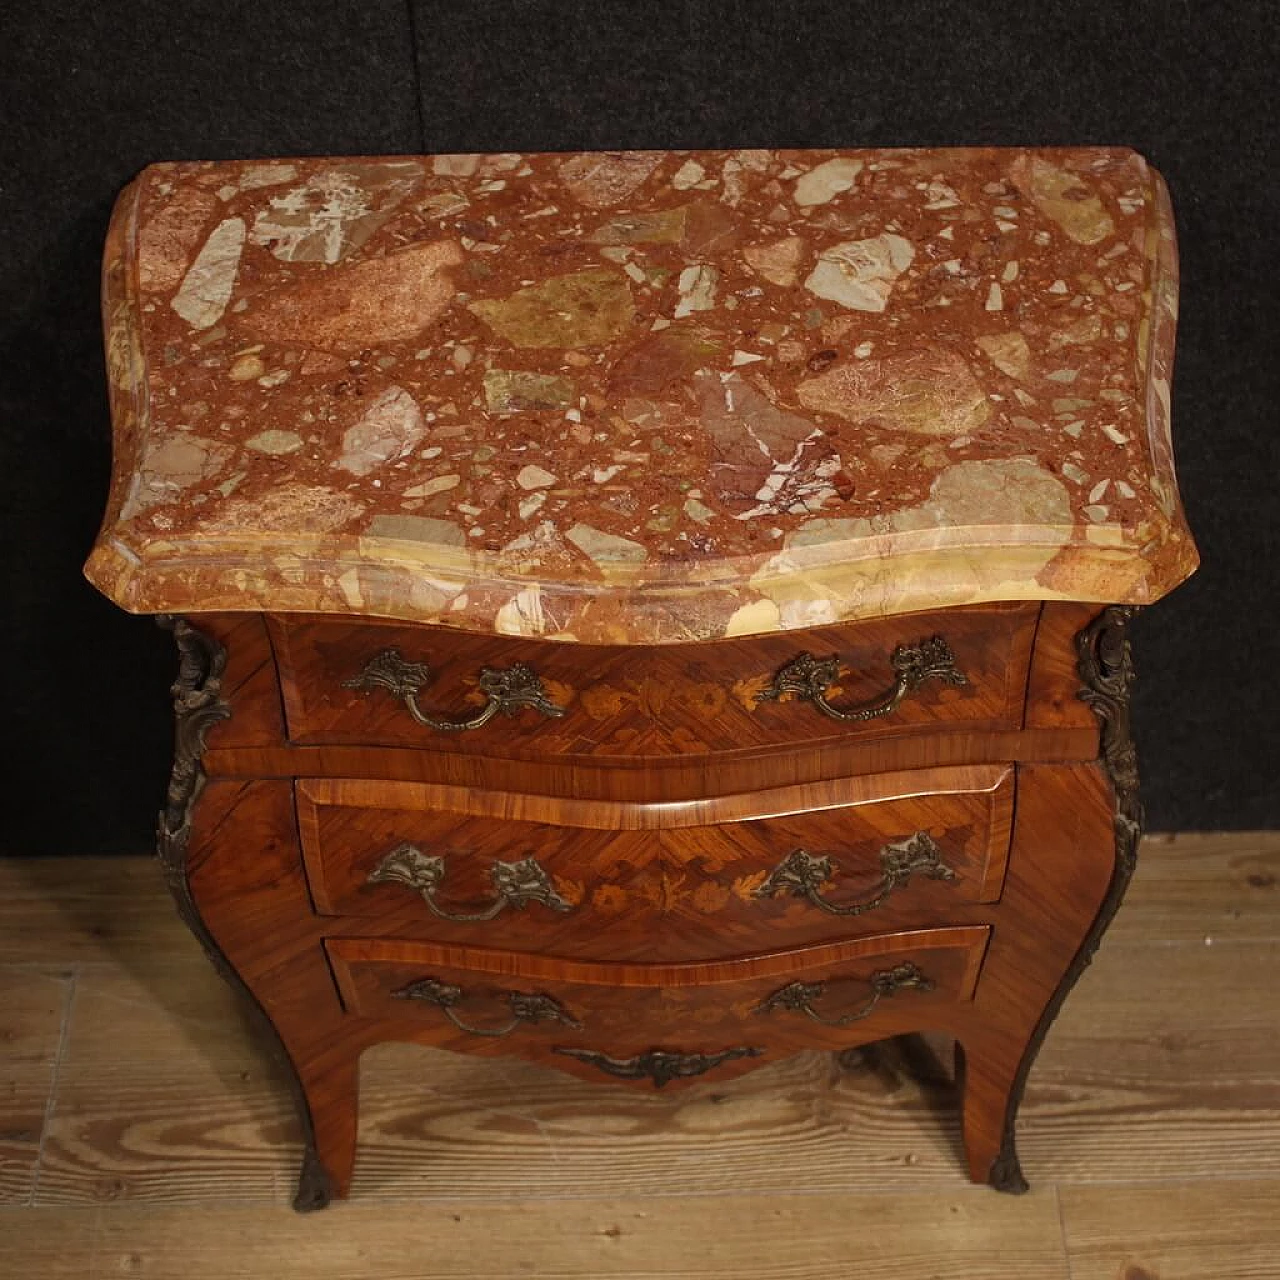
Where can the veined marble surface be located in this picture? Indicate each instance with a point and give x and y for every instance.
(642, 396)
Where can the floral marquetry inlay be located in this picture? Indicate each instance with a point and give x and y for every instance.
(642, 396)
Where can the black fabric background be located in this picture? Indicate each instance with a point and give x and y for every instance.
(91, 92)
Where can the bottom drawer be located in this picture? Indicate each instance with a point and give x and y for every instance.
(659, 1022)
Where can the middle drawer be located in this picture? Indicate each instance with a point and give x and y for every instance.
(689, 880)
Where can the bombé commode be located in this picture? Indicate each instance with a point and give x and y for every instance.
(647, 612)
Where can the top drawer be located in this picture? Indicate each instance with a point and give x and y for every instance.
(362, 683)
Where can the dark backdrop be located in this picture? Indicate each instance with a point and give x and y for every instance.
(90, 92)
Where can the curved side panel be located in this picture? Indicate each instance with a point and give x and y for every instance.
(1105, 665)
(197, 707)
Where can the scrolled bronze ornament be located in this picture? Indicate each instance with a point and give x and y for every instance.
(800, 997)
(507, 690)
(660, 1065)
(1104, 662)
(515, 884)
(525, 1007)
(197, 707)
(808, 679)
(802, 875)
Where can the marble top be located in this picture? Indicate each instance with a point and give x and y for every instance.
(642, 396)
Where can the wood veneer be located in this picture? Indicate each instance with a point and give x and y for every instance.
(259, 908)
(1053, 726)
(684, 878)
(628, 704)
(630, 1008)
(677, 949)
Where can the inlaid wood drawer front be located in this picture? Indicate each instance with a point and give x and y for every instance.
(839, 871)
(454, 864)
(374, 684)
(607, 1017)
(693, 880)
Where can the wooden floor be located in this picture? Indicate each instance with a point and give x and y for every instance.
(143, 1134)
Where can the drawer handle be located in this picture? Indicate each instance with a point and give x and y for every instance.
(798, 997)
(507, 690)
(809, 678)
(515, 884)
(525, 1007)
(802, 875)
(660, 1065)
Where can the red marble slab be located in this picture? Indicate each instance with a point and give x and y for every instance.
(642, 396)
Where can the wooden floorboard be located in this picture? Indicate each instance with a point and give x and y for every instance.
(65, 911)
(132, 1091)
(1190, 1231)
(33, 1013)
(960, 1236)
(164, 1095)
(1165, 1063)
(48, 1244)
(1189, 888)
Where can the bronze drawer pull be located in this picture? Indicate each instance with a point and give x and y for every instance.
(660, 1065)
(809, 678)
(798, 997)
(528, 1007)
(507, 689)
(802, 875)
(515, 884)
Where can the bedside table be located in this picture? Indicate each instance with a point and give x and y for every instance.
(646, 612)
